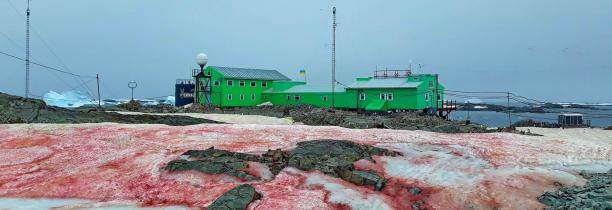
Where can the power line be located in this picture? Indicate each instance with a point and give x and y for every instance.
(493, 92)
(42, 65)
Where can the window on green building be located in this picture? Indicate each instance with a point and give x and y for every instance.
(229, 97)
(230, 82)
(241, 83)
(383, 96)
(297, 98)
(253, 84)
(252, 97)
(390, 96)
(264, 84)
(242, 97)
(362, 96)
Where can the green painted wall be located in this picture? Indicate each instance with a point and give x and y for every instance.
(280, 93)
(318, 99)
(426, 91)
(233, 94)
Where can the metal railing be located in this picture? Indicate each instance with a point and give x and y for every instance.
(185, 81)
(392, 73)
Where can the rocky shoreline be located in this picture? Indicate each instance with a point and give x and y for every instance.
(310, 115)
(15, 109)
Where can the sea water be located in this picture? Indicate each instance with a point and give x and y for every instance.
(600, 117)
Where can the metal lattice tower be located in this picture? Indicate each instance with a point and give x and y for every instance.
(333, 98)
(27, 86)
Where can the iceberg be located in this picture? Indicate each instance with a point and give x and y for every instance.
(68, 99)
(74, 99)
(473, 101)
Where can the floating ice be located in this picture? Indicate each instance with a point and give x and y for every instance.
(67, 99)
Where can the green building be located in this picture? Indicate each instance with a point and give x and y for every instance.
(386, 90)
(233, 87)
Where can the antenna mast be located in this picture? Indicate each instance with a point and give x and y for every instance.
(27, 87)
(334, 62)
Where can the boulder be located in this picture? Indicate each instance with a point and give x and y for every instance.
(237, 198)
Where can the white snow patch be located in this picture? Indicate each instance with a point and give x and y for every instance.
(340, 194)
(439, 167)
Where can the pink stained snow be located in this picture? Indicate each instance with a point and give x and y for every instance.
(113, 162)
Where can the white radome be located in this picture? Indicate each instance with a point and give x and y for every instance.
(202, 59)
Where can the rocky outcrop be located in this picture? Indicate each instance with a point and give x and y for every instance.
(596, 194)
(336, 157)
(222, 165)
(331, 157)
(236, 199)
(15, 109)
(310, 115)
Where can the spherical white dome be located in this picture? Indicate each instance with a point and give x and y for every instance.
(202, 59)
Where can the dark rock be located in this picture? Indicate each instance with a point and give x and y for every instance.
(414, 190)
(417, 204)
(223, 165)
(336, 157)
(215, 153)
(365, 178)
(131, 106)
(15, 109)
(331, 157)
(596, 194)
(276, 160)
(237, 198)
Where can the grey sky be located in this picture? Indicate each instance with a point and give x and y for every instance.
(556, 50)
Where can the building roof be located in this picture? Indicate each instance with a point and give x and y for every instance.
(384, 83)
(243, 73)
(308, 88)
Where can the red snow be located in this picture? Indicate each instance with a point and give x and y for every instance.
(111, 162)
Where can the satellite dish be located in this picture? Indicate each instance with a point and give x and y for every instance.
(202, 59)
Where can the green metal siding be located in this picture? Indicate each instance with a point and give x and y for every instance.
(220, 93)
(324, 100)
(409, 93)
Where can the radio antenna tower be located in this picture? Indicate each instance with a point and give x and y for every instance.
(27, 87)
(333, 98)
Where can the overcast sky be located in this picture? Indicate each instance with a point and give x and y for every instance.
(556, 50)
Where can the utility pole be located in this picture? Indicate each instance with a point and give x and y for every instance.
(333, 99)
(436, 94)
(27, 86)
(99, 99)
(508, 109)
(468, 111)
